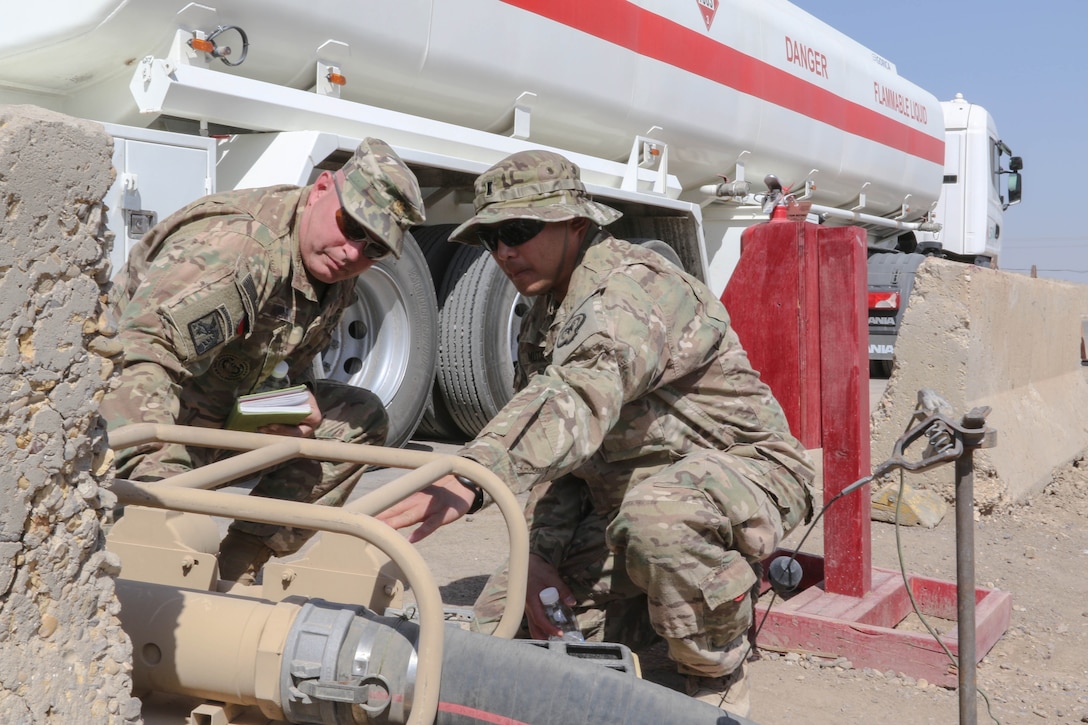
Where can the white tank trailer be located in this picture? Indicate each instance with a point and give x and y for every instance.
(678, 112)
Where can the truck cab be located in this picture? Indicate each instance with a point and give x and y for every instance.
(970, 215)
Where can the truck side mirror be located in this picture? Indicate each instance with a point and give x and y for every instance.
(1014, 189)
(1015, 164)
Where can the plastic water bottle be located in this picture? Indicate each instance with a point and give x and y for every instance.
(278, 379)
(560, 615)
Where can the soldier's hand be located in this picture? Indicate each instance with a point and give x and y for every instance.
(442, 502)
(541, 576)
(304, 429)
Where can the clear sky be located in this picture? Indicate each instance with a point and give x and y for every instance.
(1027, 64)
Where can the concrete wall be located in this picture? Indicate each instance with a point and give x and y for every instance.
(63, 657)
(984, 337)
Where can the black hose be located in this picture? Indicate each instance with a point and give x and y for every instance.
(491, 680)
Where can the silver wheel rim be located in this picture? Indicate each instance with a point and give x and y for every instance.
(371, 346)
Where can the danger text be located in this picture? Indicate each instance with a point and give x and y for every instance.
(811, 60)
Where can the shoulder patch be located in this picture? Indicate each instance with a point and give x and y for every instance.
(579, 327)
(570, 330)
(204, 319)
(209, 331)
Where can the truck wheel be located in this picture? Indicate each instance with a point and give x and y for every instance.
(661, 248)
(437, 423)
(480, 314)
(478, 323)
(880, 369)
(385, 341)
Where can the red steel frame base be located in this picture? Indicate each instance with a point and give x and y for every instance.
(797, 301)
(863, 629)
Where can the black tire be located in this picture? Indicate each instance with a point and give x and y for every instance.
(880, 369)
(661, 248)
(437, 423)
(478, 337)
(479, 316)
(434, 242)
(385, 341)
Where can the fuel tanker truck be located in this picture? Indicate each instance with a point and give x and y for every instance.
(695, 118)
(692, 117)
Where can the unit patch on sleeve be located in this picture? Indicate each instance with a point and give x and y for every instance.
(570, 330)
(204, 319)
(581, 325)
(209, 331)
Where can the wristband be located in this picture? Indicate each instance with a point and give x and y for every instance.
(478, 494)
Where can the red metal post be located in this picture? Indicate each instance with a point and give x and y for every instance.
(773, 302)
(797, 301)
(844, 380)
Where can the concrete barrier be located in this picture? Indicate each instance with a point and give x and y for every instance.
(985, 337)
(65, 658)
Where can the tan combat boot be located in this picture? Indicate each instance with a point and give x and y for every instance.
(728, 692)
(241, 557)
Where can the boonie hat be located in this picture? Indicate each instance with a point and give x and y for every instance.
(532, 185)
(381, 193)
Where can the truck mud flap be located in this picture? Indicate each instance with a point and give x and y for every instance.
(891, 279)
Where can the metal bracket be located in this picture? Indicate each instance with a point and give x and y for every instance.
(904, 210)
(861, 198)
(647, 153)
(330, 58)
(523, 116)
(809, 186)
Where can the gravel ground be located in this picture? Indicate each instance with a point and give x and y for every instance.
(1036, 672)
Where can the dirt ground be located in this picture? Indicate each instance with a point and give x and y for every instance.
(1037, 671)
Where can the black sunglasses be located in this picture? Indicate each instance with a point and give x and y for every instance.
(353, 231)
(512, 233)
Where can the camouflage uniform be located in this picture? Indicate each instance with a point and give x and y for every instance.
(216, 295)
(661, 466)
